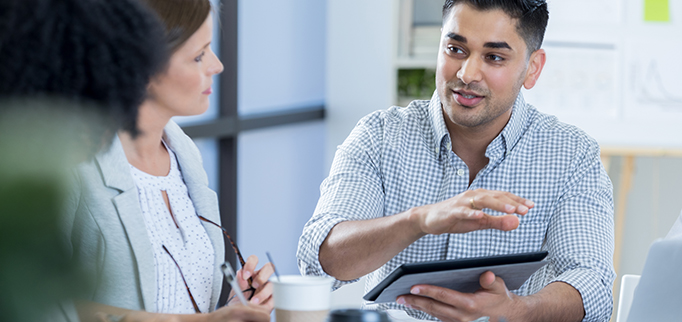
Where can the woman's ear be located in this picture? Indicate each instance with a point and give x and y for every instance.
(535, 65)
(151, 87)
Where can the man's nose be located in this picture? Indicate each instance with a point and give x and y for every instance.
(470, 71)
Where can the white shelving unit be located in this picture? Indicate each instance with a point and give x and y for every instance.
(417, 44)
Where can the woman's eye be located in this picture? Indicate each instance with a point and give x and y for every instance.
(200, 57)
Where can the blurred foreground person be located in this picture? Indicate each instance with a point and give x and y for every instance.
(72, 72)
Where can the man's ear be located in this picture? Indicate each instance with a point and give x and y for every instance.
(535, 65)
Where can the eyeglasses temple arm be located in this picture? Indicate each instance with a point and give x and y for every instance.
(194, 303)
(234, 246)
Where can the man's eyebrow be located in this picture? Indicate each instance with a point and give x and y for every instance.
(497, 45)
(493, 44)
(456, 37)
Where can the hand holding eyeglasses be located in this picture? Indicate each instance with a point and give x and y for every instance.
(254, 284)
(262, 296)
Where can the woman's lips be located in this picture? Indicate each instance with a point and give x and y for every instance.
(208, 91)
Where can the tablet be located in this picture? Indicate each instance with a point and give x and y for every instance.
(458, 274)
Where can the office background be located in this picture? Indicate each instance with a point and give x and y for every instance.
(313, 68)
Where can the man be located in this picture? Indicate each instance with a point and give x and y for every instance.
(473, 172)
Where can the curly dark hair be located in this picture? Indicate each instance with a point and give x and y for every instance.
(532, 15)
(101, 51)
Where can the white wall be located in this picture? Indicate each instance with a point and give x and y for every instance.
(281, 54)
(280, 170)
(281, 65)
(360, 42)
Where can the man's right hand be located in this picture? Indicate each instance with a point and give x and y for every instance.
(355, 248)
(463, 213)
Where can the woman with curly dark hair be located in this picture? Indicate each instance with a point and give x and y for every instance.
(72, 73)
(143, 212)
(103, 52)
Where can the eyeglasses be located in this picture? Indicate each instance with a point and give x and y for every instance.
(236, 250)
(191, 298)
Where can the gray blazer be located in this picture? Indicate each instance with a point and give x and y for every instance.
(107, 231)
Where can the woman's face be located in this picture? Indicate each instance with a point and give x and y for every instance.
(183, 89)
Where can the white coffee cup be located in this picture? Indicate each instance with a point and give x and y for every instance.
(301, 298)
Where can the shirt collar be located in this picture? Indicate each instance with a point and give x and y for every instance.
(442, 137)
(504, 142)
(517, 124)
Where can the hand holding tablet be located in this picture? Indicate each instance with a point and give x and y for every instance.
(461, 274)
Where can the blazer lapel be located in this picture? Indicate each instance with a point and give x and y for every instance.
(204, 199)
(116, 174)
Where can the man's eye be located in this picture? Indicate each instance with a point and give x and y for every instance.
(455, 50)
(495, 58)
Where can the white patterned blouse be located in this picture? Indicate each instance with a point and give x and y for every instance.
(184, 237)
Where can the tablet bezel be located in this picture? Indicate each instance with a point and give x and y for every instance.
(452, 264)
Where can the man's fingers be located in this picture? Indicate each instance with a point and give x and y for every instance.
(492, 283)
(442, 311)
(500, 202)
(445, 295)
(487, 280)
(480, 220)
(503, 223)
(496, 200)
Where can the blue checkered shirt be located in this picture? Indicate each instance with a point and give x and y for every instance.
(401, 158)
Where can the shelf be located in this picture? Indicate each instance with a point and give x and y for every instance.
(415, 62)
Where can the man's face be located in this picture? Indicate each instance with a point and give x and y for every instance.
(482, 64)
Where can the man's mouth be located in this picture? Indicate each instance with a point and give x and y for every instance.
(467, 99)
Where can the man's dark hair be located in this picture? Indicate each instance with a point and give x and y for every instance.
(532, 16)
(91, 51)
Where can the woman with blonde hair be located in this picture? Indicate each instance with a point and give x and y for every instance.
(142, 213)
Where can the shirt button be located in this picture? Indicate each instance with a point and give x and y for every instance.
(460, 172)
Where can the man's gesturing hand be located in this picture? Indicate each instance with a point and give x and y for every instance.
(463, 213)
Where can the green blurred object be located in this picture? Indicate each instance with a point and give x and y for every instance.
(36, 272)
(416, 83)
(40, 141)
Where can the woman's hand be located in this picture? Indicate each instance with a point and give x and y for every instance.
(95, 312)
(262, 297)
(239, 313)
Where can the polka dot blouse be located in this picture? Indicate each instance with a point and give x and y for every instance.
(183, 235)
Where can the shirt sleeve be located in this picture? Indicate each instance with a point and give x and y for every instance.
(353, 191)
(580, 234)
